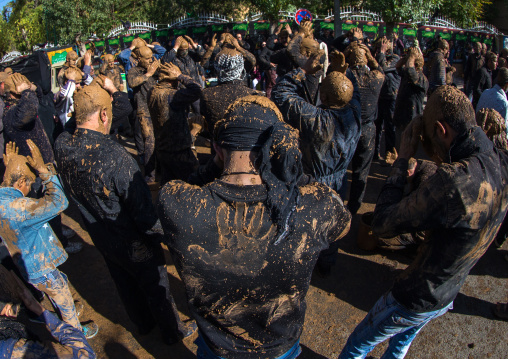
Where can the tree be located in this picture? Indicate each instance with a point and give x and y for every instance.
(464, 12)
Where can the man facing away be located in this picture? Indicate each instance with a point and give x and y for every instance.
(461, 207)
(116, 206)
(245, 244)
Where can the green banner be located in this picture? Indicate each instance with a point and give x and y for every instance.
(128, 38)
(347, 27)
(241, 27)
(115, 41)
(146, 36)
(217, 27)
(161, 33)
(87, 46)
(475, 39)
(179, 32)
(427, 34)
(327, 25)
(445, 35)
(199, 30)
(461, 37)
(58, 57)
(99, 43)
(409, 32)
(370, 28)
(488, 41)
(262, 26)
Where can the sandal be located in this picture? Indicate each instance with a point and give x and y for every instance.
(500, 310)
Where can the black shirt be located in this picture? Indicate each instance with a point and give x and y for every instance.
(460, 207)
(409, 102)
(247, 294)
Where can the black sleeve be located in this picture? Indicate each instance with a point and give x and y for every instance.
(185, 96)
(121, 105)
(168, 56)
(270, 43)
(26, 110)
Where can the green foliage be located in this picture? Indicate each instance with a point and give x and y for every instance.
(403, 10)
(464, 12)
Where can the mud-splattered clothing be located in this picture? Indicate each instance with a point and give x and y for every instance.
(116, 205)
(169, 110)
(461, 207)
(409, 103)
(370, 83)
(122, 109)
(141, 86)
(25, 231)
(328, 136)
(482, 80)
(21, 122)
(113, 74)
(436, 70)
(188, 65)
(72, 343)
(216, 100)
(247, 294)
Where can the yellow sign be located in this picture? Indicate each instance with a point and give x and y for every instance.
(58, 56)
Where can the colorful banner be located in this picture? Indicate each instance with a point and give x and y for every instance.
(445, 35)
(347, 27)
(327, 25)
(367, 28)
(427, 34)
(409, 32)
(262, 26)
(241, 27)
(179, 32)
(115, 41)
(199, 30)
(217, 27)
(58, 55)
(99, 43)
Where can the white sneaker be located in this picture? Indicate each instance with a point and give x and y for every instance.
(74, 247)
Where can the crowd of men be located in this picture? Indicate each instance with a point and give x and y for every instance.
(247, 228)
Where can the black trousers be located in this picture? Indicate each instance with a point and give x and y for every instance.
(386, 109)
(144, 291)
(360, 166)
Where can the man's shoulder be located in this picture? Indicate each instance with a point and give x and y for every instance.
(319, 195)
(178, 191)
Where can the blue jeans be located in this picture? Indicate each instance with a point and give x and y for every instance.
(55, 285)
(204, 352)
(387, 319)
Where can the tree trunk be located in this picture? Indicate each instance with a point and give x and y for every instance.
(389, 30)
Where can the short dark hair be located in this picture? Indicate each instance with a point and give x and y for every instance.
(502, 76)
(456, 108)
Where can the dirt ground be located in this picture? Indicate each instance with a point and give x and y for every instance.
(335, 305)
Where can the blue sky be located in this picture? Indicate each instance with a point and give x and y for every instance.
(3, 3)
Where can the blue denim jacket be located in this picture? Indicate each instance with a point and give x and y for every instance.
(25, 232)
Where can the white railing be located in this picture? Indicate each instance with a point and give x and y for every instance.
(355, 14)
(11, 56)
(201, 19)
(136, 28)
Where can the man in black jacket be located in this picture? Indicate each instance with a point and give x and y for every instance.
(460, 207)
(116, 206)
(482, 79)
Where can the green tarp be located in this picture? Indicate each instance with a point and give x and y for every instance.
(241, 27)
(369, 28)
(262, 26)
(146, 36)
(409, 32)
(199, 30)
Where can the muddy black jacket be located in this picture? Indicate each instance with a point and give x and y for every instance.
(21, 122)
(409, 102)
(188, 65)
(482, 80)
(328, 137)
(109, 189)
(461, 207)
(216, 100)
(141, 86)
(370, 83)
(247, 294)
(392, 77)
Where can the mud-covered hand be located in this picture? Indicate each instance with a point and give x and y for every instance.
(178, 43)
(306, 29)
(10, 150)
(213, 42)
(312, 65)
(190, 41)
(20, 82)
(153, 68)
(36, 161)
(411, 138)
(279, 28)
(338, 62)
(356, 33)
(138, 42)
(288, 29)
(87, 58)
(384, 45)
(108, 85)
(237, 45)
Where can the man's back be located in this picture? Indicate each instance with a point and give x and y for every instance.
(461, 207)
(247, 293)
(108, 186)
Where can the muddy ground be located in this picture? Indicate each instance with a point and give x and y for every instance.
(335, 305)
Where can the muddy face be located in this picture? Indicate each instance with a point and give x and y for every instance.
(477, 47)
(72, 59)
(183, 50)
(17, 167)
(284, 38)
(110, 60)
(309, 47)
(145, 57)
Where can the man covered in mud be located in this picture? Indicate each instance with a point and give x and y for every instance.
(229, 66)
(141, 80)
(16, 339)
(116, 206)
(370, 80)
(186, 54)
(112, 71)
(71, 60)
(435, 69)
(26, 233)
(245, 244)
(328, 133)
(169, 108)
(460, 207)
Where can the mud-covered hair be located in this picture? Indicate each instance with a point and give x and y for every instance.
(455, 107)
